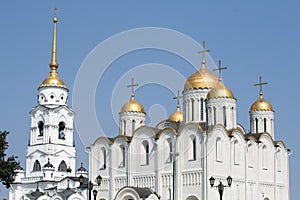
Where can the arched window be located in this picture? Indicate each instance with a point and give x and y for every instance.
(36, 166)
(170, 152)
(224, 116)
(62, 166)
(145, 153)
(133, 125)
(123, 151)
(202, 111)
(192, 148)
(61, 130)
(41, 128)
(256, 125)
(279, 161)
(236, 152)
(265, 125)
(219, 156)
(103, 152)
(264, 158)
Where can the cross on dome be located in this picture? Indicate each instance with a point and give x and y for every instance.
(203, 51)
(220, 68)
(132, 86)
(260, 84)
(178, 97)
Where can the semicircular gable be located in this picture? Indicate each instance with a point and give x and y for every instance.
(190, 124)
(102, 140)
(220, 130)
(144, 130)
(165, 123)
(165, 131)
(281, 144)
(266, 137)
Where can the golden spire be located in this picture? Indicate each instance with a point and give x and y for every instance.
(53, 64)
(203, 51)
(132, 87)
(260, 84)
(53, 79)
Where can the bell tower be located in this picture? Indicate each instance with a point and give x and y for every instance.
(51, 145)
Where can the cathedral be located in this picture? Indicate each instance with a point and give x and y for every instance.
(199, 153)
(50, 160)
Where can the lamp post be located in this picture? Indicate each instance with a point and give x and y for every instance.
(90, 185)
(220, 186)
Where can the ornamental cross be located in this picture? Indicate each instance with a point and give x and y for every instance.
(55, 9)
(220, 68)
(132, 86)
(178, 97)
(203, 51)
(260, 84)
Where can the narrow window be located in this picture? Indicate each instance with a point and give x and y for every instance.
(202, 111)
(264, 158)
(103, 152)
(215, 116)
(123, 156)
(250, 156)
(192, 148)
(219, 150)
(193, 109)
(133, 125)
(62, 166)
(224, 116)
(236, 153)
(41, 128)
(170, 156)
(124, 127)
(61, 130)
(144, 153)
(256, 125)
(278, 157)
(265, 125)
(36, 166)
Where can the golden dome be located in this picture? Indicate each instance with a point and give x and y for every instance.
(132, 106)
(53, 80)
(261, 105)
(220, 91)
(176, 116)
(201, 79)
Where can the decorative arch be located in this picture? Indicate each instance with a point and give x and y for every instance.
(192, 197)
(62, 166)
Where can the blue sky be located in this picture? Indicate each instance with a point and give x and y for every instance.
(251, 37)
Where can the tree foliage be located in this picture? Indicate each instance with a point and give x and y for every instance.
(8, 165)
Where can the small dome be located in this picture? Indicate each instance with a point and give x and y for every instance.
(220, 91)
(48, 164)
(132, 106)
(176, 116)
(54, 81)
(81, 169)
(201, 79)
(261, 105)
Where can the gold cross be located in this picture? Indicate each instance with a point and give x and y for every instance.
(203, 51)
(260, 84)
(220, 68)
(132, 86)
(178, 97)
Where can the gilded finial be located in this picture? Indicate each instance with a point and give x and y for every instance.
(53, 64)
(220, 68)
(178, 97)
(132, 87)
(260, 84)
(203, 51)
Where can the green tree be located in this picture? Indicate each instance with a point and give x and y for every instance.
(8, 165)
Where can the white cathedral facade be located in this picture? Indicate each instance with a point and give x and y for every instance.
(176, 159)
(173, 161)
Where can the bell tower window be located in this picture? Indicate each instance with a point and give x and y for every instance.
(61, 130)
(36, 166)
(41, 128)
(62, 166)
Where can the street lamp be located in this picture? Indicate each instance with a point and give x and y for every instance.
(220, 186)
(90, 185)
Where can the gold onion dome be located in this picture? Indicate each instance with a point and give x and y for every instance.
(261, 105)
(53, 79)
(202, 79)
(133, 106)
(176, 116)
(220, 91)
